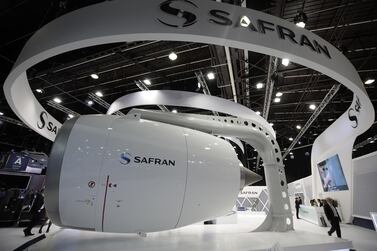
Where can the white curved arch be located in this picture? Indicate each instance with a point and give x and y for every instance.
(187, 99)
(114, 21)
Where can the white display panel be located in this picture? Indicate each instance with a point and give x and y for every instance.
(365, 185)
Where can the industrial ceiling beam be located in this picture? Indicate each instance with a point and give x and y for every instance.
(272, 69)
(203, 83)
(62, 108)
(103, 103)
(13, 121)
(230, 70)
(314, 116)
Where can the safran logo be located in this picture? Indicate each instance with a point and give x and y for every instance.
(125, 158)
(189, 17)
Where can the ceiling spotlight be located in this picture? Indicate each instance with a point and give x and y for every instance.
(245, 21)
(315, 134)
(90, 102)
(301, 19)
(257, 112)
(99, 94)
(259, 85)
(57, 100)
(330, 119)
(369, 81)
(210, 75)
(298, 127)
(301, 24)
(312, 106)
(173, 56)
(39, 90)
(279, 94)
(174, 111)
(277, 100)
(291, 153)
(1, 113)
(290, 139)
(199, 85)
(94, 76)
(70, 116)
(271, 124)
(285, 62)
(147, 81)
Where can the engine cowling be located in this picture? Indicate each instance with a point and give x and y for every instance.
(112, 174)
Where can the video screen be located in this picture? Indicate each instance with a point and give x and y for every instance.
(332, 176)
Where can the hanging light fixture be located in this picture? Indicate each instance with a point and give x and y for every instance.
(301, 19)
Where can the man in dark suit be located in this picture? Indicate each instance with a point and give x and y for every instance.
(333, 216)
(298, 202)
(36, 211)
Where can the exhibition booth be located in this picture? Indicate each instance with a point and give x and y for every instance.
(153, 195)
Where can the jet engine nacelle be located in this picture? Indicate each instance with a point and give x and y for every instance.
(112, 174)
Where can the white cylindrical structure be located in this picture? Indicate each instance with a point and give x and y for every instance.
(113, 174)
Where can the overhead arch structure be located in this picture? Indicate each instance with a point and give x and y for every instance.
(196, 21)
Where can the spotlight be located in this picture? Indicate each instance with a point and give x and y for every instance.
(57, 100)
(39, 90)
(285, 62)
(301, 19)
(369, 81)
(174, 111)
(147, 81)
(277, 100)
(199, 85)
(298, 127)
(330, 119)
(94, 76)
(1, 113)
(290, 139)
(279, 94)
(99, 94)
(210, 75)
(291, 153)
(301, 24)
(173, 56)
(259, 85)
(70, 116)
(271, 124)
(257, 112)
(90, 102)
(312, 106)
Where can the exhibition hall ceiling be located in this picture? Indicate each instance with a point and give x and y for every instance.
(349, 25)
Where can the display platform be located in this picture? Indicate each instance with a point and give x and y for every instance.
(194, 237)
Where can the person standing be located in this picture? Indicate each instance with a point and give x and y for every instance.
(36, 211)
(298, 202)
(333, 216)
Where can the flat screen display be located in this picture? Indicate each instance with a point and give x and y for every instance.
(331, 174)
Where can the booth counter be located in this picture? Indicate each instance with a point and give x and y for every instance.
(315, 215)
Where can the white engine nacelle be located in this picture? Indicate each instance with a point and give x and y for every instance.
(112, 174)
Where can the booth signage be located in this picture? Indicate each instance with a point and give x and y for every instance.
(223, 18)
(43, 122)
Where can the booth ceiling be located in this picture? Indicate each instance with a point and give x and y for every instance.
(349, 25)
